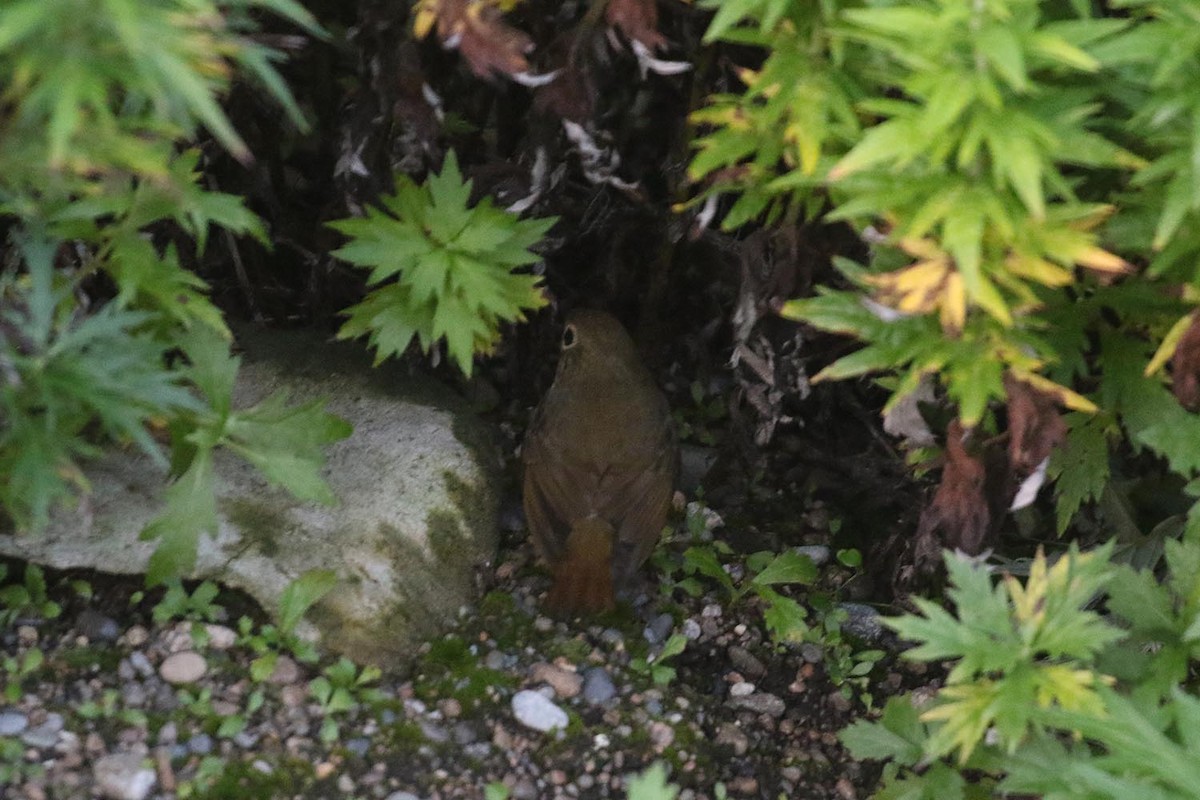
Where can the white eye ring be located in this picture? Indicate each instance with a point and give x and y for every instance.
(569, 337)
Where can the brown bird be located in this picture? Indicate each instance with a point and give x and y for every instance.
(600, 462)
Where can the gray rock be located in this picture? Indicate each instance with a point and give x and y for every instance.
(45, 735)
(358, 746)
(746, 662)
(812, 653)
(659, 628)
(760, 703)
(201, 744)
(141, 665)
(416, 484)
(598, 687)
(533, 710)
(122, 777)
(12, 723)
(96, 626)
(402, 796)
(863, 622)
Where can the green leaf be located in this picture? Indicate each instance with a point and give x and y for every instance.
(898, 734)
(652, 785)
(787, 567)
(1079, 468)
(302, 594)
(191, 509)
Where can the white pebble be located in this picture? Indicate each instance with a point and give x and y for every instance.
(533, 710)
(122, 777)
(185, 667)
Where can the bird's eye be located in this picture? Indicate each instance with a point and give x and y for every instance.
(569, 338)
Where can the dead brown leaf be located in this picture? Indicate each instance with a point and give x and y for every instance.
(958, 516)
(637, 20)
(1185, 367)
(478, 30)
(1035, 427)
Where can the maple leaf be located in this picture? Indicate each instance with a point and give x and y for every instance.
(478, 31)
(932, 283)
(1035, 427)
(637, 19)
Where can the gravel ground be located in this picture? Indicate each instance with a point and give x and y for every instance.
(509, 704)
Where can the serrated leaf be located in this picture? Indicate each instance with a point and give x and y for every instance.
(787, 567)
(191, 509)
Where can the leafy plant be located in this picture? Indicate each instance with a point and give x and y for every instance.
(16, 668)
(92, 170)
(652, 784)
(443, 270)
(108, 706)
(176, 603)
(340, 688)
(13, 766)
(26, 598)
(655, 666)
(1046, 695)
(784, 618)
(268, 641)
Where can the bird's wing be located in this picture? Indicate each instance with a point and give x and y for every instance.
(644, 499)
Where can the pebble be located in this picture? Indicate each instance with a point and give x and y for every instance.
(136, 636)
(141, 665)
(691, 629)
(533, 710)
(566, 683)
(742, 689)
(812, 653)
(96, 626)
(598, 686)
(662, 735)
(819, 554)
(220, 637)
(733, 736)
(12, 723)
(46, 734)
(187, 666)
(761, 703)
(201, 744)
(863, 622)
(402, 796)
(659, 629)
(494, 660)
(746, 662)
(286, 671)
(122, 777)
(27, 635)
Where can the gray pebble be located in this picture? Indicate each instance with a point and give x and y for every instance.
(524, 789)
(818, 553)
(359, 746)
(494, 660)
(746, 662)
(478, 750)
(812, 653)
(612, 637)
(141, 664)
(863, 622)
(761, 703)
(201, 744)
(12, 723)
(598, 686)
(168, 734)
(133, 695)
(464, 733)
(533, 710)
(44, 735)
(96, 626)
(402, 796)
(387, 717)
(122, 777)
(659, 629)
(246, 740)
(434, 733)
(691, 629)
(125, 670)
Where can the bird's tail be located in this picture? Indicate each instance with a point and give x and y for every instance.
(583, 577)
